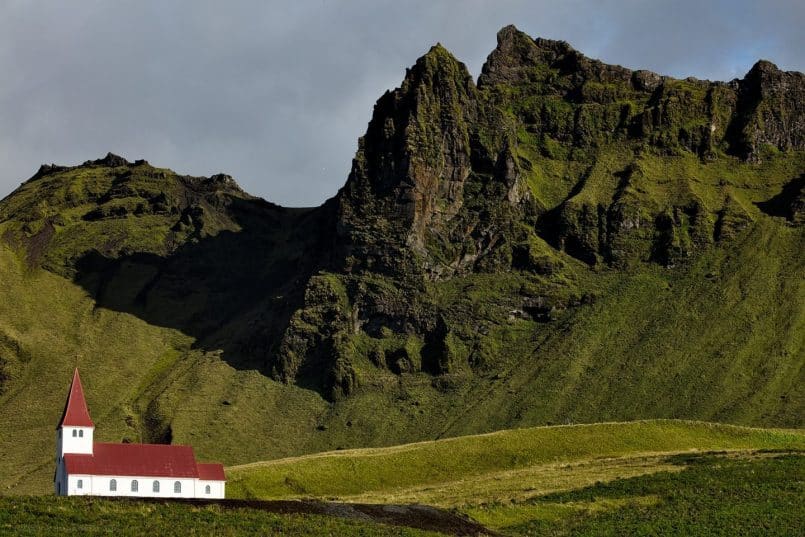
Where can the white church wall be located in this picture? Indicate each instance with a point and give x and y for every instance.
(217, 489)
(86, 485)
(79, 485)
(101, 486)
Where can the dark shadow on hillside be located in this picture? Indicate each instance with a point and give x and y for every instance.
(784, 202)
(233, 291)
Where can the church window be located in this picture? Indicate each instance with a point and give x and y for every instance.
(81, 434)
(177, 487)
(75, 433)
(80, 484)
(207, 489)
(134, 485)
(113, 485)
(156, 486)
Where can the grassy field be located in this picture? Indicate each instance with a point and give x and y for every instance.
(42, 516)
(706, 495)
(506, 465)
(641, 478)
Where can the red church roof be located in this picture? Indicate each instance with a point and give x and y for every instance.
(211, 472)
(75, 410)
(144, 460)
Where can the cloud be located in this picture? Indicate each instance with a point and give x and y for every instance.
(277, 93)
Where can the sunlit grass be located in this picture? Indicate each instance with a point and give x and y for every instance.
(508, 464)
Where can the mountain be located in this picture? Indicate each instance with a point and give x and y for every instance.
(561, 241)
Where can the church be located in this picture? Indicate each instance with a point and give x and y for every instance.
(84, 467)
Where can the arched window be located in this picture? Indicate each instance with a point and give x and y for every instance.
(156, 486)
(81, 433)
(134, 485)
(75, 433)
(207, 489)
(113, 485)
(177, 487)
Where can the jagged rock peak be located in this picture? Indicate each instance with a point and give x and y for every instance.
(412, 162)
(111, 160)
(509, 36)
(517, 54)
(47, 169)
(765, 74)
(438, 53)
(514, 50)
(438, 66)
(763, 66)
(224, 180)
(771, 110)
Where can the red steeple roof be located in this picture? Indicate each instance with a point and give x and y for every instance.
(75, 410)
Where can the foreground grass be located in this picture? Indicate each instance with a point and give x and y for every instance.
(711, 495)
(508, 464)
(48, 515)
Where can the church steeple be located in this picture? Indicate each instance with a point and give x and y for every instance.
(75, 431)
(75, 412)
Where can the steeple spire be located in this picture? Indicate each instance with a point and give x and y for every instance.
(75, 410)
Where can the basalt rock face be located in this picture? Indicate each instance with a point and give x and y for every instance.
(470, 208)
(770, 111)
(434, 163)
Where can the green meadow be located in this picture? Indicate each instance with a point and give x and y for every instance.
(505, 465)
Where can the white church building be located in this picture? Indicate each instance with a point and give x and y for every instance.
(84, 467)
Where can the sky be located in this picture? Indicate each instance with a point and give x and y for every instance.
(276, 93)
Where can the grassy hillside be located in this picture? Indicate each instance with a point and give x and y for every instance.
(457, 471)
(639, 478)
(720, 340)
